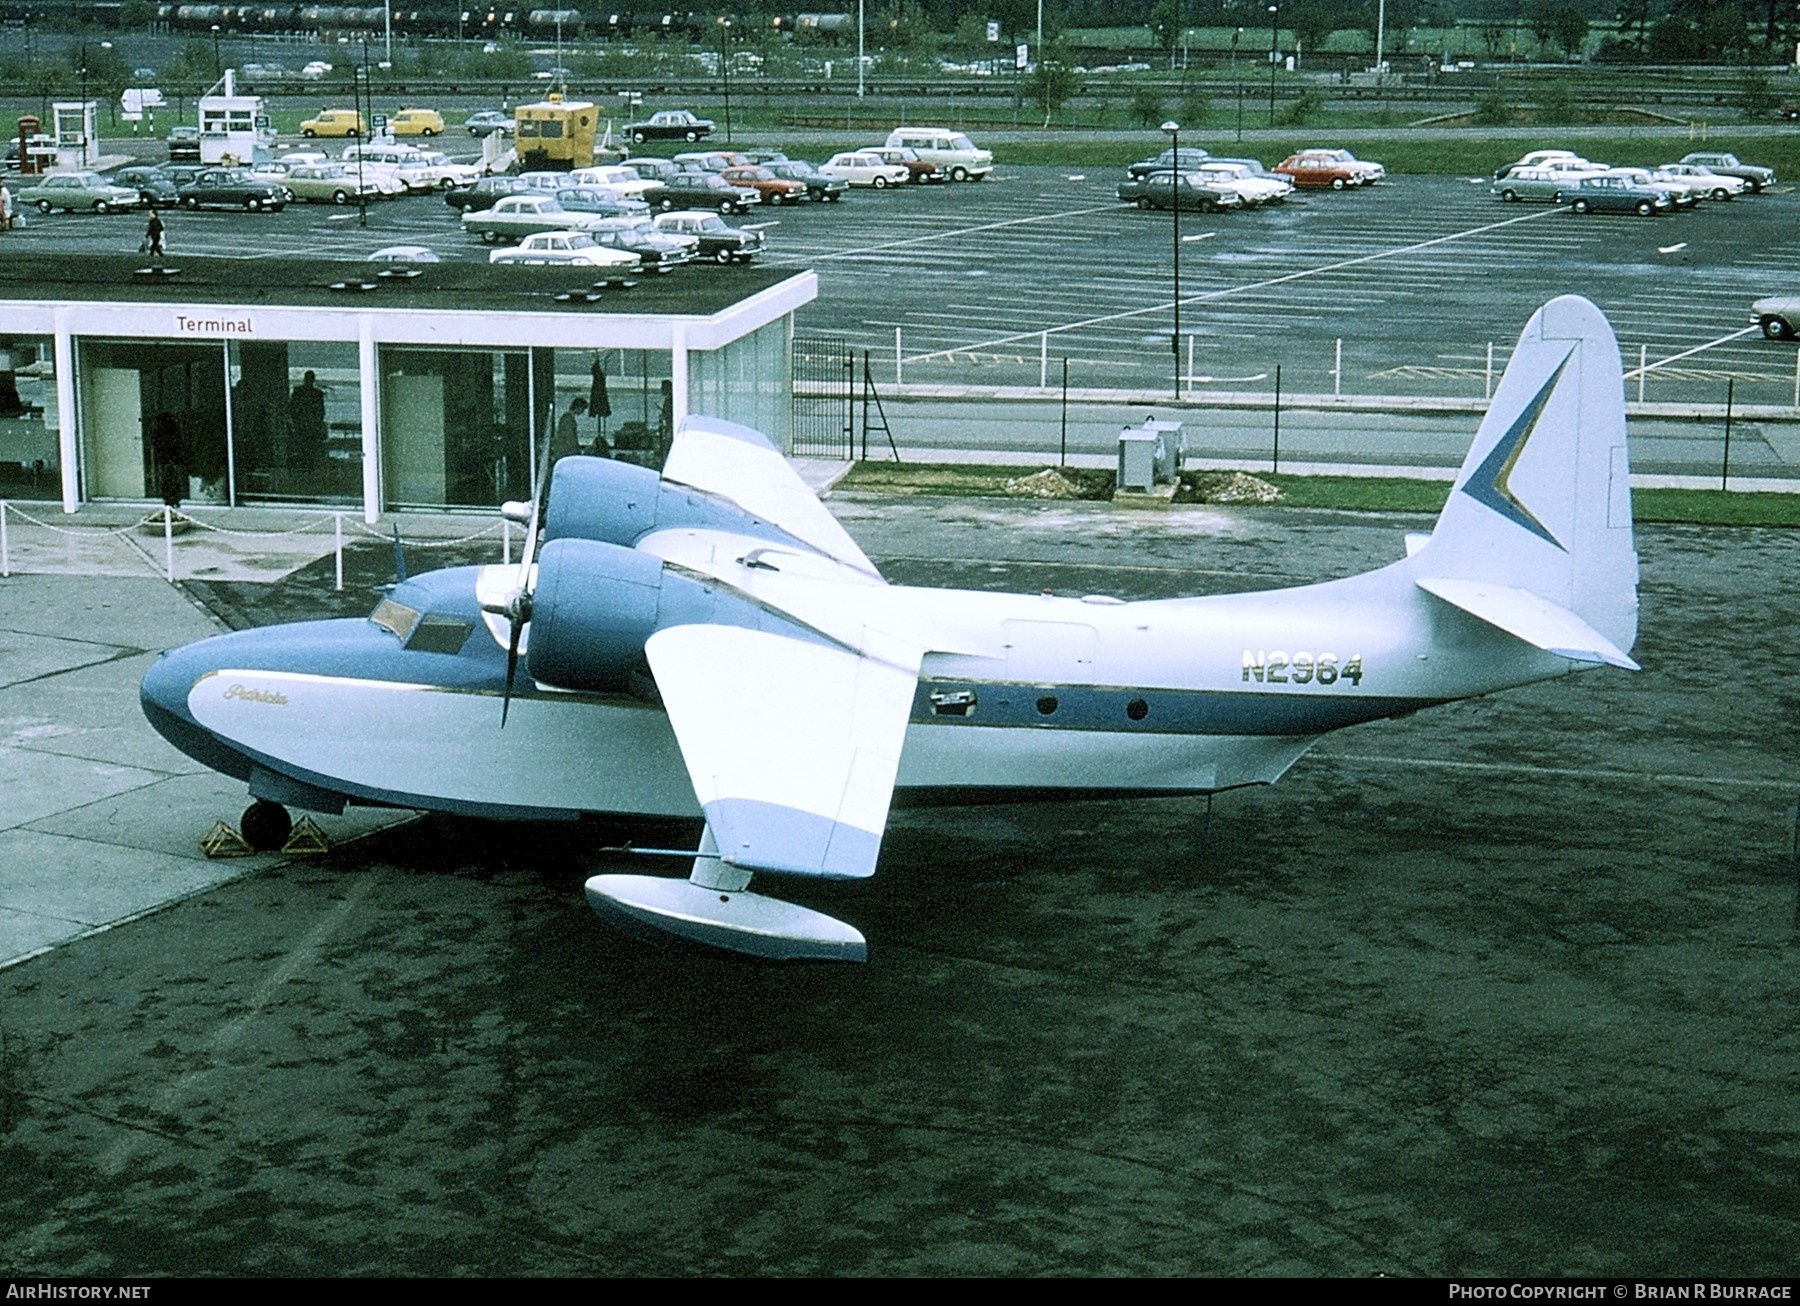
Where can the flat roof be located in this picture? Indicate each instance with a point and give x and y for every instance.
(692, 291)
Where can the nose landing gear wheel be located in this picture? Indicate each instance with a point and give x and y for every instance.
(265, 825)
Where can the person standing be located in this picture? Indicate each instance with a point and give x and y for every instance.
(567, 438)
(153, 237)
(306, 425)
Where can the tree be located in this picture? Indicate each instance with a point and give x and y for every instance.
(1052, 83)
(1146, 107)
(1312, 22)
(1540, 20)
(1570, 28)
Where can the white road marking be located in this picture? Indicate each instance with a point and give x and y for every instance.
(864, 250)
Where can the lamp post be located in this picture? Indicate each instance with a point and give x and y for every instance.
(387, 27)
(1274, 55)
(216, 67)
(84, 112)
(362, 91)
(725, 69)
(1174, 130)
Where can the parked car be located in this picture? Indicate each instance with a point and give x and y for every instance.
(617, 177)
(234, 188)
(1312, 172)
(773, 189)
(416, 122)
(1157, 190)
(864, 168)
(567, 247)
(660, 251)
(718, 241)
(315, 70)
(1545, 181)
(78, 192)
(601, 202)
(1536, 159)
(1777, 315)
(1367, 169)
(1250, 188)
(419, 169)
(654, 169)
(710, 160)
(1608, 193)
(918, 169)
(483, 193)
(334, 183)
(952, 151)
(405, 254)
(669, 125)
(334, 122)
(1191, 157)
(486, 122)
(1758, 177)
(1682, 194)
(155, 188)
(693, 190)
(518, 216)
(1715, 185)
(819, 188)
(184, 144)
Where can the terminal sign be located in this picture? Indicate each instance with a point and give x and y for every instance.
(213, 326)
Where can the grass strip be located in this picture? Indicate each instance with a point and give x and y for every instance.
(1349, 493)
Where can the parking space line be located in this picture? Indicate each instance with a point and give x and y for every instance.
(946, 235)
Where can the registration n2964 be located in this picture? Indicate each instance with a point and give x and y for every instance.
(1301, 667)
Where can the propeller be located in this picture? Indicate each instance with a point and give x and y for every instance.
(517, 608)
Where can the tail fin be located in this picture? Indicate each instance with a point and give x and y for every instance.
(1536, 537)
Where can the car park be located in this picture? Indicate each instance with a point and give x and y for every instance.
(155, 187)
(617, 177)
(669, 125)
(1610, 193)
(819, 188)
(1238, 177)
(652, 168)
(1539, 158)
(1714, 185)
(1191, 157)
(1543, 182)
(863, 168)
(419, 169)
(518, 216)
(566, 248)
(334, 183)
(184, 144)
(952, 151)
(718, 241)
(710, 160)
(1755, 175)
(1157, 190)
(333, 122)
(918, 170)
(78, 192)
(488, 121)
(1312, 172)
(773, 189)
(695, 190)
(660, 251)
(483, 193)
(234, 188)
(415, 122)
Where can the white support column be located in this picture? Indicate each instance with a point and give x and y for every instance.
(230, 430)
(678, 377)
(1187, 379)
(900, 365)
(1337, 369)
(1487, 380)
(371, 418)
(1643, 371)
(1043, 360)
(67, 445)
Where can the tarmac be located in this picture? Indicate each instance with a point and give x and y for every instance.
(1506, 988)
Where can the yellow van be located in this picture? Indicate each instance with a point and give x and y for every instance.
(333, 122)
(416, 122)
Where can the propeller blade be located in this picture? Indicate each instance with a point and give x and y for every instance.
(512, 668)
(519, 609)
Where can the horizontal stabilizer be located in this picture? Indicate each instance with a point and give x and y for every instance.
(1527, 616)
(743, 922)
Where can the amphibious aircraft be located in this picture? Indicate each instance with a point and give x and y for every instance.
(710, 642)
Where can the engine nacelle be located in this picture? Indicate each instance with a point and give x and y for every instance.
(596, 603)
(618, 503)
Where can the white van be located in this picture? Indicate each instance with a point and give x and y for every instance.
(951, 151)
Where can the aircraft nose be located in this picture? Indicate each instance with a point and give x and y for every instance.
(166, 684)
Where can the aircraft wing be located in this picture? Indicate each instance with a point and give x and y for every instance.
(741, 465)
(792, 743)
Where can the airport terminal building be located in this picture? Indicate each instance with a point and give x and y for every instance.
(429, 386)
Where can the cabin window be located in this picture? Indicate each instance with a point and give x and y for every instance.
(1046, 704)
(395, 618)
(439, 633)
(1137, 709)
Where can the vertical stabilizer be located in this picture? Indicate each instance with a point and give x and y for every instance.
(1536, 537)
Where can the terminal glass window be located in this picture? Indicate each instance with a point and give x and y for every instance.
(748, 381)
(152, 420)
(296, 421)
(625, 397)
(30, 425)
(456, 425)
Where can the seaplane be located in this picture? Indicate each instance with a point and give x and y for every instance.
(709, 642)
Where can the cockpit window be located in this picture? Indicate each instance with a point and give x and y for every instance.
(395, 618)
(437, 633)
